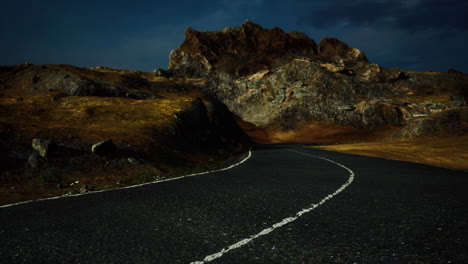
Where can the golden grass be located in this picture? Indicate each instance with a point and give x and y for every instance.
(89, 119)
(182, 82)
(119, 71)
(106, 75)
(443, 152)
(426, 73)
(309, 132)
(432, 99)
(314, 132)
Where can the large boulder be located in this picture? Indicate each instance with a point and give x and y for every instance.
(43, 146)
(159, 72)
(206, 125)
(105, 147)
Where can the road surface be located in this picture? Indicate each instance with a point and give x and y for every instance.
(286, 204)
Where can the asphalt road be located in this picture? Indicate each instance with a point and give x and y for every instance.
(391, 212)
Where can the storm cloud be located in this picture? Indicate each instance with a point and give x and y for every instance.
(417, 35)
(424, 35)
(411, 15)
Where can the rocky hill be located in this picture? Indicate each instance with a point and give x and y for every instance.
(102, 127)
(284, 87)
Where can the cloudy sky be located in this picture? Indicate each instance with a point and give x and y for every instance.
(422, 35)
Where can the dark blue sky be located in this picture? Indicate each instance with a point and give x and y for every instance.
(418, 35)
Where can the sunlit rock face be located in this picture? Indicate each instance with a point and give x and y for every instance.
(271, 78)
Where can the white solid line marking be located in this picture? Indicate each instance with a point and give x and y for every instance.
(286, 220)
(134, 186)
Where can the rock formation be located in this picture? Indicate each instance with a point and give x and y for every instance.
(270, 78)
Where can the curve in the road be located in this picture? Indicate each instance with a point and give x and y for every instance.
(287, 220)
(249, 154)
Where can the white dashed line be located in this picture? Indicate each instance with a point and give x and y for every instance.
(134, 186)
(286, 220)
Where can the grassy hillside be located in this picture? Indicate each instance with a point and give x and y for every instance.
(149, 132)
(89, 119)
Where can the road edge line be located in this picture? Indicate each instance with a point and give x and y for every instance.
(133, 186)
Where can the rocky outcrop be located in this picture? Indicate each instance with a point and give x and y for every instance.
(268, 77)
(207, 125)
(454, 71)
(237, 51)
(43, 78)
(336, 51)
(305, 90)
(451, 122)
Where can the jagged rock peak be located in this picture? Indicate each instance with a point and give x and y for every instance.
(250, 48)
(238, 51)
(248, 23)
(337, 51)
